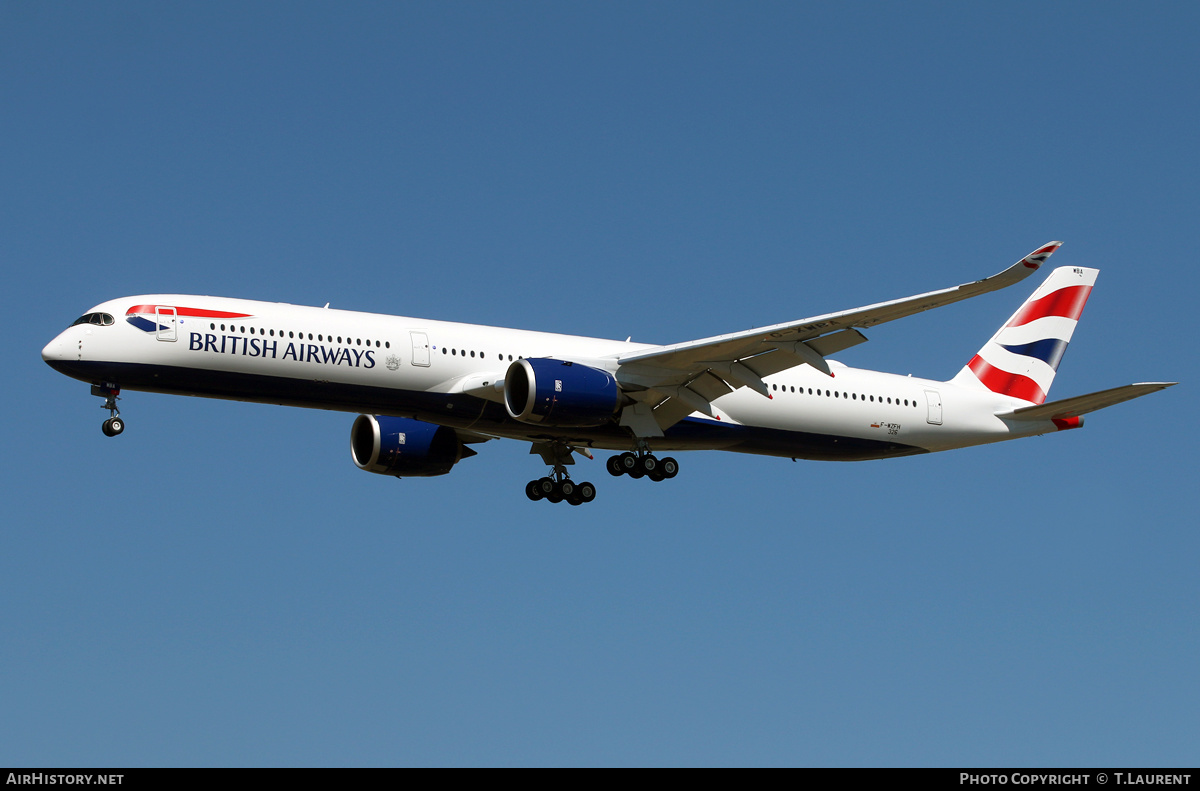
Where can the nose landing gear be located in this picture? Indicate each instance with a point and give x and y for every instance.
(111, 395)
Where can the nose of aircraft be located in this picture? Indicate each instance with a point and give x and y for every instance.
(55, 350)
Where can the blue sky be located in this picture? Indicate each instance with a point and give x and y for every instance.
(221, 586)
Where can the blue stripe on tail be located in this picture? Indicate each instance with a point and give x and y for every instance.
(1048, 350)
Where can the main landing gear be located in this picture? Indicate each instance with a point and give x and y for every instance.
(114, 425)
(637, 465)
(560, 488)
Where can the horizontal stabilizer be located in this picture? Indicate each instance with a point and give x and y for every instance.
(1080, 405)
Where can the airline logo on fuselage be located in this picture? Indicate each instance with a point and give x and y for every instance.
(255, 346)
(145, 317)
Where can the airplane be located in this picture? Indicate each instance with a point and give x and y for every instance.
(427, 390)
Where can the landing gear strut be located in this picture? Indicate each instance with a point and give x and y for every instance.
(642, 463)
(114, 425)
(559, 487)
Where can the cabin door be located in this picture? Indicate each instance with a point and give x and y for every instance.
(420, 344)
(935, 406)
(165, 319)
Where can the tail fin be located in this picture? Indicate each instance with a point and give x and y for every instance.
(1022, 357)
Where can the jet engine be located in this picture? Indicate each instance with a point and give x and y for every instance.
(558, 393)
(404, 447)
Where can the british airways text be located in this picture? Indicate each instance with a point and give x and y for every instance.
(261, 347)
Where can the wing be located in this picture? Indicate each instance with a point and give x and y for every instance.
(674, 381)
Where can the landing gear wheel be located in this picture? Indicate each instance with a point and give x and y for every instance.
(655, 476)
(545, 486)
(112, 427)
(629, 462)
(556, 494)
(567, 488)
(533, 492)
(638, 470)
(669, 467)
(614, 466)
(575, 499)
(586, 492)
(649, 464)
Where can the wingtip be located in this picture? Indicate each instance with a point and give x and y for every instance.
(1039, 256)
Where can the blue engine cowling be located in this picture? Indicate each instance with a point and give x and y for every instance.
(557, 393)
(404, 447)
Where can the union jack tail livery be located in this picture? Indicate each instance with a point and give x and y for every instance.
(1022, 357)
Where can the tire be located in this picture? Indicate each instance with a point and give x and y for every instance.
(670, 467)
(532, 491)
(575, 499)
(116, 425)
(629, 462)
(545, 486)
(567, 488)
(649, 464)
(655, 476)
(586, 491)
(614, 466)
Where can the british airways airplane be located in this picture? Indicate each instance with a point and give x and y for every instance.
(430, 389)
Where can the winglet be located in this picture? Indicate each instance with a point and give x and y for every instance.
(1039, 256)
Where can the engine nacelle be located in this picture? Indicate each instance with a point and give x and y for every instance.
(557, 393)
(404, 447)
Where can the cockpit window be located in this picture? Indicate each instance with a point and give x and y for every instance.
(100, 319)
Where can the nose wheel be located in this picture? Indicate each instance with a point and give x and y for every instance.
(642, 464)
(114, 425)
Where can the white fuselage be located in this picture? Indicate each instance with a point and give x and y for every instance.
(446, 373)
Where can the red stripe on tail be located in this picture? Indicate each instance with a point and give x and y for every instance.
(1003, 382)
(1066, 302)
